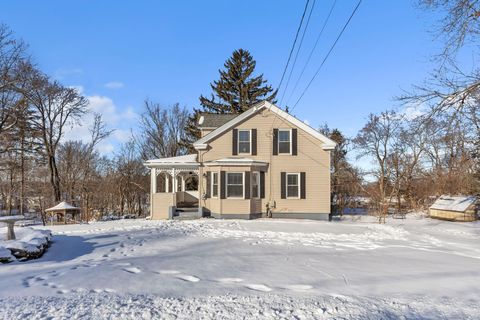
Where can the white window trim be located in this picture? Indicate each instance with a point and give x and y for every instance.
(250, 141)
(212, 184)
(258, 185)
(243, 186)
(278, 142)
(299, 184)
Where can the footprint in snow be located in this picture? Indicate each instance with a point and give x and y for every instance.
(169, 272)
(230, 280)
(187, 278)
(258, 287)
(298, 287)
(63, 291)
(132, 270)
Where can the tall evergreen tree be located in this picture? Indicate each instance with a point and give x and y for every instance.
(235, 92)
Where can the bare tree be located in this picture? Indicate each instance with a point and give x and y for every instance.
(55, 107)
(376, 140)
(161, 131)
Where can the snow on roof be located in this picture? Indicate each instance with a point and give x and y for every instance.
(190, 159)
(62, 206)
(454, 203)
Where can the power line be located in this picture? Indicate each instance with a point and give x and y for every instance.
(311, 52)
(298, 50)
(329, 52)
(294, 43)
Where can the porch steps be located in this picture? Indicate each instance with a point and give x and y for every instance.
(186, 214)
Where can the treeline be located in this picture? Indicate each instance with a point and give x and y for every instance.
(39, 167)
(432, 146)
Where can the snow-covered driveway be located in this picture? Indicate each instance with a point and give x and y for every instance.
(254, 269)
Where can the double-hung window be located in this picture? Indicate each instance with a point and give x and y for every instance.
(235, 185)
(214, 184)
(293, 185)
(284, 141)
(255, 184)
(244, 141)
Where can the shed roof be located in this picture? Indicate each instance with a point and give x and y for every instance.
(453, 203)
(62, 206)
(214, 120)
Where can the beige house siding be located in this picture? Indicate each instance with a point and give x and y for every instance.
(161, 205)
(311, 159)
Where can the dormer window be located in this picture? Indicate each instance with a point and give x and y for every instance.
(284, 141)
(244, 141)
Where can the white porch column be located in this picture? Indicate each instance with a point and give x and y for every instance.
(167, 183)
(183, 182)
(153, 187)
(174, 182)
(153, 180)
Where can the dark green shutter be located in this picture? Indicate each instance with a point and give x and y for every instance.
(275, 142)
(209, 184)
(254, 142)
(283, 185)
(223, 185)
(294, 142)
(235, 142)
(303, 190)
(262, 184)
(246, 185)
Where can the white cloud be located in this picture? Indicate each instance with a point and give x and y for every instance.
(119, 121)
(413, 112)
(114, 85)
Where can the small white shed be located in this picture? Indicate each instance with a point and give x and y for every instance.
(455, 208)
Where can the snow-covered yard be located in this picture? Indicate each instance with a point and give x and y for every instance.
(260, 269)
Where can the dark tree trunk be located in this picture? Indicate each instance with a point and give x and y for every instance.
(54, 178)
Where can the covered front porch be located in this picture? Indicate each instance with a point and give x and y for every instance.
(174, 187)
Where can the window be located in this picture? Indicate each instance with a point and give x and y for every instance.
(255, 184)
(293, 185)
(284, 141)
(244, 141)
(214, 184)
(234, 185)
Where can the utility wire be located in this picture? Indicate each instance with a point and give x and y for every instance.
(311, 52)
(328, 54)
(298, 50)
(293, 46)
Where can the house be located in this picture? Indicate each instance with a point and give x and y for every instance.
(458, 208)
(258, 163)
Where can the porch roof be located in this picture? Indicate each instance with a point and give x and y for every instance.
(189, 160)
(236, 162)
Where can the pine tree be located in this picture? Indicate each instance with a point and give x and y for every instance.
(235, 92)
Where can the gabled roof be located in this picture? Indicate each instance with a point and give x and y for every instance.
(62, 206)
(214, 120)
(186, 160)
(202, 143)
(457, 203)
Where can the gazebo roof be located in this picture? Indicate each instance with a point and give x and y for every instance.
(62, 206)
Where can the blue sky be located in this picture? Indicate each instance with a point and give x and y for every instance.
(121, 52)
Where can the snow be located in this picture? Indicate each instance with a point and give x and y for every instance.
(259, 269)
(457, 203)
(186, 159)
(11, 218)
(62, 206)
(29, 240)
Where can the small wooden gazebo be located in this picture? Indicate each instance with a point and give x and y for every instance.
(61, 210)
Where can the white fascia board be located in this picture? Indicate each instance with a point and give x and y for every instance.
(328, 143)
(202, 143)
